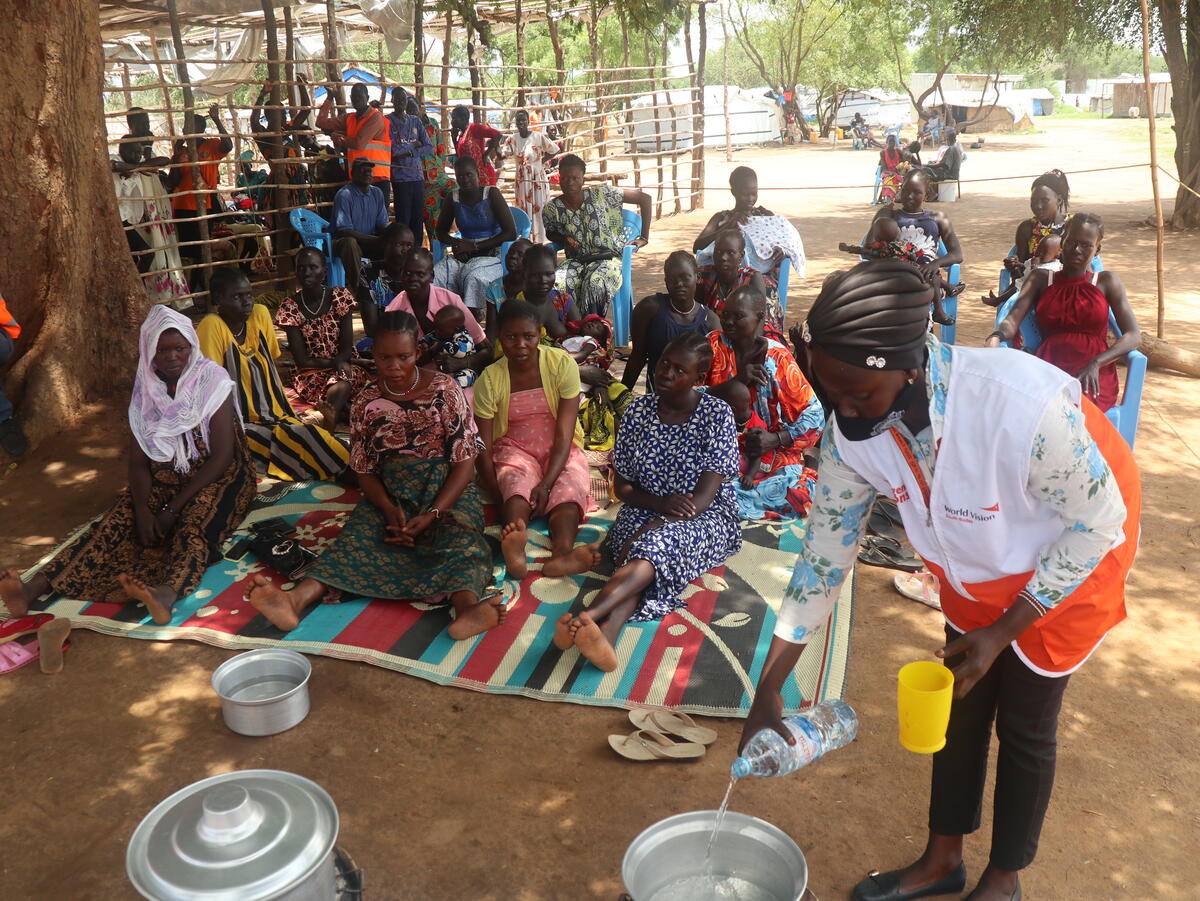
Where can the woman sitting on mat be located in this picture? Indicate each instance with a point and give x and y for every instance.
(319, 324)
(675, 459)
(241, 337)
(526, 407)
(660, 318)
(1071, 307)
(1022, 499)
(781, 396)
(190, 486)
(418, 531)
(484, 222)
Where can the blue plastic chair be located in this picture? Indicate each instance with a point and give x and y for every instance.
(520, 220)
(785, 273)
(314, 232)
(1124, 415)
(947, 333)
(878, 184)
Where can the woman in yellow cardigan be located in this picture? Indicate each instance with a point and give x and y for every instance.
(526, 408)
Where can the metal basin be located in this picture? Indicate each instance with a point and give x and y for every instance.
(751, 859)
(263, 692)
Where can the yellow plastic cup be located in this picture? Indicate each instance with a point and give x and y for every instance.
(923, 700)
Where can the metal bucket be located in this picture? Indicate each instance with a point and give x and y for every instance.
(666, 862)
(263, 692)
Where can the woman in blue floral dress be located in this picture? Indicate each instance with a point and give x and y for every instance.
(676, 458)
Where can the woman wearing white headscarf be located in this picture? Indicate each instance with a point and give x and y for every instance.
(190, 485)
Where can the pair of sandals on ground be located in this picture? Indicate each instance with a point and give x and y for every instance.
(662, 735)
(51, 640)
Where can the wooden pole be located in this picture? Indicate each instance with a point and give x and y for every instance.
(125, 86)
(332, 75)
(598, 124)
(447, 43)
(274, 112)
(1158, 213)
(289, 54)
(701, 55)
(725, 79)
(419, 55)
(519, 29)
(162, 83)
(189, 105)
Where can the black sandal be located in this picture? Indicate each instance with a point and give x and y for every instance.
(886, 886)
(876, 550)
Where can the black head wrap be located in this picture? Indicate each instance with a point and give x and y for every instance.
(874, 316)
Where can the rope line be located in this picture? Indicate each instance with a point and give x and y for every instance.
(1177, 181)
(965, 181)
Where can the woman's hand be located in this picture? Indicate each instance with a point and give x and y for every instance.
(929, 270)
(980, 648)
(538, 498)
(679, 506)
(393, 523)
(1014, 267)
(345, 371)
(639, 241)
(594, 377)
(993, 340)
(760, 441)
(572, 244)
(412, 529)
(164, 521)
(464, 249)
(755, 374)
(143, 526)
(1089, 378)
(765, 713)
(447, 363)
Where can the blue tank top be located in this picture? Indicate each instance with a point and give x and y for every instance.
(664, 328)
(476, 221)
(923, 220)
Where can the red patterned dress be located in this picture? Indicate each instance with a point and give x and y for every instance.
(321, 336)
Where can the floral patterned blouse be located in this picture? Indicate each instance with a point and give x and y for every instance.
(434, 423)
(597, 224)
(1066, 470)
(321, 335)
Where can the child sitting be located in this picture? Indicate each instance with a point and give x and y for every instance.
(1046, 257)
(737, 395)
(449, 338)
(883, 242)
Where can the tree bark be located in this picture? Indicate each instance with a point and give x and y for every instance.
(68, 276)
(1162, 355)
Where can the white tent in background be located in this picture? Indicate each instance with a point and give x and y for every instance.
(753, 119)
(879, 108)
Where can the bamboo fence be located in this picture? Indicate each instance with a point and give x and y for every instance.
(657, 142)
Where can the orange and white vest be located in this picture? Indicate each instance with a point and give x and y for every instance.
(982, 530)
(378, 150)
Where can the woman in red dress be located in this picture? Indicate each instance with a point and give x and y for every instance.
(476, 141)
(1071, 308)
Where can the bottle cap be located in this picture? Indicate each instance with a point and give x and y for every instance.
(740, 767)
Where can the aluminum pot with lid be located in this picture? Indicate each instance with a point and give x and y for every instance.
(253, 835)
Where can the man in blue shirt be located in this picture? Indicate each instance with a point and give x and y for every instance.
(410, 144)
(359, 218)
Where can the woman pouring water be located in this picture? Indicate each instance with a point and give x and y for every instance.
(1023, 501)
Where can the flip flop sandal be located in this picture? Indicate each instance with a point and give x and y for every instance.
(877, 551)
(646, 744)
(921, 587)
(52, 640)
(670, 722)
(880, 524)
(886, 506)
(16, 654)
(17, 626)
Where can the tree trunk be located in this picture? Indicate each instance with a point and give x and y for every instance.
(1187, 160)
(68, 276)
(1162, 355)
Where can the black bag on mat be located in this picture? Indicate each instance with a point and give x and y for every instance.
(274, 544)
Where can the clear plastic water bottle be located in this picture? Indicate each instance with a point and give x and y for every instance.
(825, 727)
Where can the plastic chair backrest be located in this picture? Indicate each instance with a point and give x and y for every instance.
(622, 305)
(948, 333)
(878, 183)
(314, 230)
(521, 221)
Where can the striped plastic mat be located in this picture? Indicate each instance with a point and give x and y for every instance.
(704, 659)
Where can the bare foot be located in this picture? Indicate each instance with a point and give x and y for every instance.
(563, 636)
(592, 644)
(14, 593)
(479, 618)
(328, 415)
(157, 599)
(577, 560)
(50, 644)
(512, 546)
(279, 606)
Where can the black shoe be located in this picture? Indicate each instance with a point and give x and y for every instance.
(12, 439)
(1015, 896)
(886, 886)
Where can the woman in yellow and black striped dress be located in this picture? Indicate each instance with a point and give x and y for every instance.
(241, 337)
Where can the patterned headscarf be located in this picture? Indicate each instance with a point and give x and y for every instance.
(163, 424)
(874, 316)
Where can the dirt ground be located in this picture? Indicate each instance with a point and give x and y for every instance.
(446, 794)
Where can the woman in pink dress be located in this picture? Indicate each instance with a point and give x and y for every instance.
(1071, 308)
(531, 149)
(477, 141)
(527, 412)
